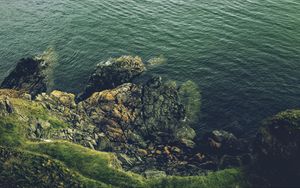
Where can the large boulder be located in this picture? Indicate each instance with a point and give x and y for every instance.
(31, 75)
(27, 76)
(112, 73)
(278, 148)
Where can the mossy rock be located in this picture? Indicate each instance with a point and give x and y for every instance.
(278, 149)
(190, 96)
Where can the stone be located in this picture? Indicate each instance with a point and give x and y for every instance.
(142, 152)
(6, 107)
(277, 148)
(149, 174)
(188, 143)
(125, 159)
(31, 74)
(157, 61)
(65, 99)
(112, 73)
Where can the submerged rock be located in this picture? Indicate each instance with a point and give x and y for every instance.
(190, 96)
(157, 60)
(112, 73)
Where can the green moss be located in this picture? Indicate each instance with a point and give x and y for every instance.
(93, 164)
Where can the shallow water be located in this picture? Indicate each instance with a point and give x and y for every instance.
(243, 54)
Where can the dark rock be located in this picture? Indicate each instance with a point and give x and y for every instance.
(31, 75)
(113, 73)
(228, 161)
(277, 148)
(222, 142)
(28, 76)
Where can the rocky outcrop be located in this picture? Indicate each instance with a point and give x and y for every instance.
(278, 148)
(31, 75)
(112, 73)
(27, 76)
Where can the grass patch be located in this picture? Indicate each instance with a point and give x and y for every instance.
(97, 165)
(19, 168)
(36, 110)
(11, 133)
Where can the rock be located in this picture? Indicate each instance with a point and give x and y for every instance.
(112, 73)
(142, 152)
(228, 161)
(176, 149)
(200, 156)
(187, 143)
(31, 75)
(222, 136)
(186, 132)
(125, 159)
(149, 174)
(190, 96)
(223, 142)
(157, 60)
(65, 99)
(6, 107)
(27, 76)
(277, 148)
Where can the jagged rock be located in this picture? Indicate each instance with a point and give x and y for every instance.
(112, 73)
(6, 107)
(65, 99)
(30, 75)
(27, 76)
(154, 174)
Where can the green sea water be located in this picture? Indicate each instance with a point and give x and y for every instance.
(243, 54)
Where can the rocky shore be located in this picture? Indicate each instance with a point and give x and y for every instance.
(149, 126)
